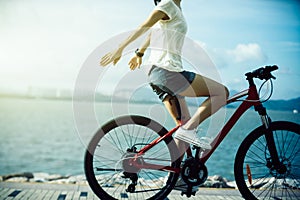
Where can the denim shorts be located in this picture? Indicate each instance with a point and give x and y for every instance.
(165, 82)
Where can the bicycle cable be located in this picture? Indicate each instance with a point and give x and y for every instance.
(271, 92)
(260, 88)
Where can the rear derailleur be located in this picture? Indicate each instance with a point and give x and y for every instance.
(130, 171)
(133, 177)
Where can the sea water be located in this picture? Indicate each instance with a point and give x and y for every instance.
(39, 135)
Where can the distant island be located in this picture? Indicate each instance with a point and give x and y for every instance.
(143, 95)
(292, 105)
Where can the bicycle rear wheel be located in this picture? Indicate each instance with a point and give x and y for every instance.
(107, 166)
(255, 175)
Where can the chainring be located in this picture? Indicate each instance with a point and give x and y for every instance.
(194, 172)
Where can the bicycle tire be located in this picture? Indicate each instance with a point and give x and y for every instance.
(255, 177)
(111, 141)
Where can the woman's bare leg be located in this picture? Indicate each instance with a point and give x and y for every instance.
(201, 87)
(185, 116)
(204, 87)
(170, 104)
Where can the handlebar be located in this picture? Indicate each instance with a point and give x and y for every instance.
(263, 73)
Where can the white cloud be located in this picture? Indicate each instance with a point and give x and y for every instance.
(247, 53)
(232, 64)
(242, 54)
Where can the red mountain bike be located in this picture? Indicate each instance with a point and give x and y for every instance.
(134, 157)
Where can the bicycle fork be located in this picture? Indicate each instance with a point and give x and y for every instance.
(273, 163)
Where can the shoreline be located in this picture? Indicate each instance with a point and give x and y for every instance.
(215, 181)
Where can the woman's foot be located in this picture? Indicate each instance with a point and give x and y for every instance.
(190, 136)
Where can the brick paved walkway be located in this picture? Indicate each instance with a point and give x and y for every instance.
(42, 191)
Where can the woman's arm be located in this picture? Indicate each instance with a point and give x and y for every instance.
(136, 60)
(146, 44)
(114, 56)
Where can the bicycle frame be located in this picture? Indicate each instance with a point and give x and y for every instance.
(251, 100)
(271, 170)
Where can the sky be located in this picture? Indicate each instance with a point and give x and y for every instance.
(44, 44)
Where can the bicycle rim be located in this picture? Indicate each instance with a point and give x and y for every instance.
(107, 153)
(255, 176)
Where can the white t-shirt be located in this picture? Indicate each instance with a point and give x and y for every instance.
(167, 41)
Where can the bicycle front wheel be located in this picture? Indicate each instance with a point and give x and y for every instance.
(107, 160)
(255, 175)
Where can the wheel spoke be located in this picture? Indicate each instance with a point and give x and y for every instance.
(268, 182)
(109, 171)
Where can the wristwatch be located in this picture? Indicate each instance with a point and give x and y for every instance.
(139, 54)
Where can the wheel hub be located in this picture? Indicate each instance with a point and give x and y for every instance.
(282, 171)
(129, 159)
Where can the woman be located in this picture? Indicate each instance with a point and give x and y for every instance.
(167, 77)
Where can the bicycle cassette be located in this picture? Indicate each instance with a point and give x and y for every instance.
(194, 172)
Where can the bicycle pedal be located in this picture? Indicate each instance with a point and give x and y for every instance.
(188, 194)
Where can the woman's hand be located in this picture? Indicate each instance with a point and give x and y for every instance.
(111, 57)
(135, 62)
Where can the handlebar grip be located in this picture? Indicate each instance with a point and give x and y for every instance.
(271, 68)
(263, 72)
